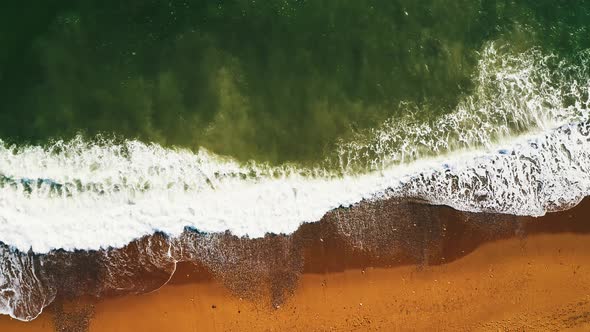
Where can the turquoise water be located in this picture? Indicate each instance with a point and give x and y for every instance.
(271, 81)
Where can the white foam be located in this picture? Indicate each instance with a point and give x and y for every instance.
(91, 195)
(527, 92)
(533, 176)
(178, 197)
(22, 295)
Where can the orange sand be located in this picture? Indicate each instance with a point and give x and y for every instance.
(538, 283)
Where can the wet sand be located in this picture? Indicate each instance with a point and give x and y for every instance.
(538, 283)
(525, 274)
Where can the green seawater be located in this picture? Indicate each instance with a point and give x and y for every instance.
(267, 80)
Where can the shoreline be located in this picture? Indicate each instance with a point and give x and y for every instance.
(540, 282)
(271, 269)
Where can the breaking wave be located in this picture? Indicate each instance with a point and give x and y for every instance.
(521, 137)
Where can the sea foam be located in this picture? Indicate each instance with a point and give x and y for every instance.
(519, 144)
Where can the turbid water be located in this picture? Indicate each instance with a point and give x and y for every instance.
(270, 81)
(121, 120)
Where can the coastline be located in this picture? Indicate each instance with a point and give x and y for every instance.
(295, 166)
(540, 284)
(267, 276)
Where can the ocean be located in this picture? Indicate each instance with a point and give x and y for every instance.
(189, 124)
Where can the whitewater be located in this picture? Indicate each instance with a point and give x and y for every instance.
(519, 144)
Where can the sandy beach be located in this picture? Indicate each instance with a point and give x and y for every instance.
(538, 281)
